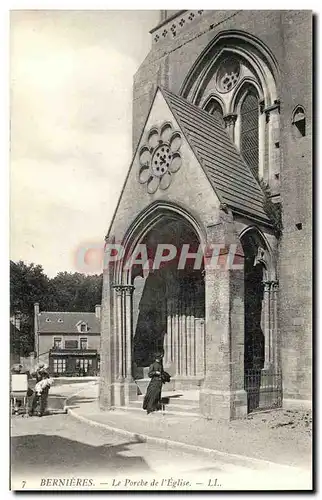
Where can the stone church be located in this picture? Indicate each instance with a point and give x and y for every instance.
(222, 155)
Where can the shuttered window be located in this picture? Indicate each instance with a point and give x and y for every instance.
(249, 131)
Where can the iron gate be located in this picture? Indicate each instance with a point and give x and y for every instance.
(264, 389)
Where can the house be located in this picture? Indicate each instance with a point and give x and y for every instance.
(222, 156)
(69, 342)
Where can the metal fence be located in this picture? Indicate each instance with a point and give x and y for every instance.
(264, 389)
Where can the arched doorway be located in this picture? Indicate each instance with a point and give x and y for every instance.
(160, 307)
(255, 275)
(169, 305)
(263, 382)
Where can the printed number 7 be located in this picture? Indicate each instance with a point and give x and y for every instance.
(23, 483)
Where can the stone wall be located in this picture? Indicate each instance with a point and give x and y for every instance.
(296, 193)
(175, 47)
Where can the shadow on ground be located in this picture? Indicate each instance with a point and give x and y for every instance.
(43, 454)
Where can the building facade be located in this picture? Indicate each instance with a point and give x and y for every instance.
(69, 342)
(222, 140)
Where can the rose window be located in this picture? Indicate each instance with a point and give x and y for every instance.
(228, 75)
(160, 158)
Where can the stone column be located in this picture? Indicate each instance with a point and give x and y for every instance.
(130, 392)
(184, 336)
(222, 396)
(266, 323)
(119, 327)
(167, 340)
(262, 146)
(273, 124)
(189, 337)
(193, 345)
(176, 339)
(107, 347)
(230, 121)
(124, 387)
(274, 327)
(128, 289)
(180, 337)
(199, 333)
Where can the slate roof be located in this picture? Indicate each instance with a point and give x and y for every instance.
(228, 173)
(68, 323)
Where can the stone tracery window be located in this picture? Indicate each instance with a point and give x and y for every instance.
(228, 75)
(249, 130)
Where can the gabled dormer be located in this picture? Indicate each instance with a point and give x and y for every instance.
(82, 327)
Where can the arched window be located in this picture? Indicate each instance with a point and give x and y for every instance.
(214, 108)
(299, 122)
(249, 130)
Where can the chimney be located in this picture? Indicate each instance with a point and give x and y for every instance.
(36, 338)
(98, 311)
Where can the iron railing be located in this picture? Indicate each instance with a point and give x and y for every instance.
(264, 389)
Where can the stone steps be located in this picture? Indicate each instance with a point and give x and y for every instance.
(165, 411)
(171, 407)
(177, 399)
(143, 383)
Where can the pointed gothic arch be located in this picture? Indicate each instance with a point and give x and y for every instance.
(143, 224)
(239, 44)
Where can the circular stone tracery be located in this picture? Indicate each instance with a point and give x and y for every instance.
(160, 158)
(228, 75)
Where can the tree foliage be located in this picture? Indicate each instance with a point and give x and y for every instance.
(64, 292)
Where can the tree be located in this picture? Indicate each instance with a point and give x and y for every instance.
(76, 292)
(64, 292)
(28, 284)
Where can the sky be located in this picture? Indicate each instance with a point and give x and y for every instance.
(71, 75)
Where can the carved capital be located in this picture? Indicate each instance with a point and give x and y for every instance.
(267, 286)
(230, 119)
(275, 286)
(274, 107)
(118, 289)
(128, 289)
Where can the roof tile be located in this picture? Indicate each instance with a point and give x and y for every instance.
(68, 325)
(228, 173)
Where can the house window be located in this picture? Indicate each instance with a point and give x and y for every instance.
(299, 122)
(59, 365)
(57, 342)
(83, 343)
(249, 146)
(82, 365)
(83, 327)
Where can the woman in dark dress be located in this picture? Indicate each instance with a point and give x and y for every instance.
(152, 399)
